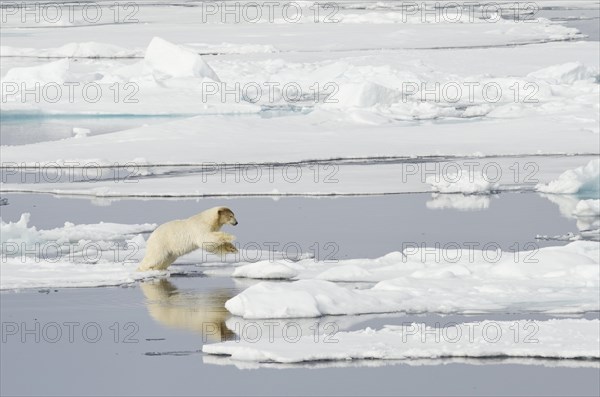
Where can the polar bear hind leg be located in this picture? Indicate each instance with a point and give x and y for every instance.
(160, 263)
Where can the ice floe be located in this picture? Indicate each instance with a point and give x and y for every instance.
(431, 279)
(584, 180)
(22, 235)
(563, 338)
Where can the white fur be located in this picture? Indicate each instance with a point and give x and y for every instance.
(176, 238)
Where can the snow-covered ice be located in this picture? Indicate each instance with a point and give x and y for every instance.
(372, 107)
(21, 234)
(368, 110)
(223, 360)
(23, 272)
(391, 30)
(260, 141)
(55, 72)
(69, 256)
(262, 270)
(567, 73)
(561, 338)
(340, 178)
(427, 279)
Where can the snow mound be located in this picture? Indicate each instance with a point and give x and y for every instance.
(560, 338)
(567, 73)
(52, 72)
(79, 132)
(462, 182)
(176, 61)
(581, 180)
(361, 95)
(425, 279)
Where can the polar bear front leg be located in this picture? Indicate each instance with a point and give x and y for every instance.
(222, 237)
(218, 243)
(214, 238)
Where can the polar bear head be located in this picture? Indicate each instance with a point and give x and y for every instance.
(226, 217)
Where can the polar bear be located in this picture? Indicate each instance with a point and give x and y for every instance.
(176, 238)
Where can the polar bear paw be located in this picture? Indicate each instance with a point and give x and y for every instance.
(226, 248)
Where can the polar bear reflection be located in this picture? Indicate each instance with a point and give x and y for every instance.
(203, 313)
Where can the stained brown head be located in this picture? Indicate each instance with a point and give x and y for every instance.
(226, 217)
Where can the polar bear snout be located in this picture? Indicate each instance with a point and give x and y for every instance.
(226, 217)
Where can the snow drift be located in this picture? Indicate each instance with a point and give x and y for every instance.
(176, 61)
